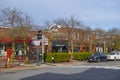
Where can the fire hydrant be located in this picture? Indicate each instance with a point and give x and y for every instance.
(8, 57)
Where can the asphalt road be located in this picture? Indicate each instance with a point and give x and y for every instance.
(87, 71)
(108, 63)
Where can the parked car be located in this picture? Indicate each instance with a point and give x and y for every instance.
(114, 56)
(98, 57)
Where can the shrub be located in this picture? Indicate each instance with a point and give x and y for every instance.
(58, 57)
(81, 56)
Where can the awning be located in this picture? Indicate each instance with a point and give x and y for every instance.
(19, 40)
(28, 39)
(60, 43)
(5, 39)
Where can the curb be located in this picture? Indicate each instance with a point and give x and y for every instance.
(33, 66)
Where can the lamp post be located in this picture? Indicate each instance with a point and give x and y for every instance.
(104, 46)
(42, 51)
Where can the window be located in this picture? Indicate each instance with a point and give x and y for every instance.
(61, 36)
(76, 36)
(87, 37)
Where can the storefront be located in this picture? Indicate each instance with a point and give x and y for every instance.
(60, 46)
(19, 45)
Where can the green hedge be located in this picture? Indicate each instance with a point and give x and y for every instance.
(82, 56)
(58, 57)
(65, 57)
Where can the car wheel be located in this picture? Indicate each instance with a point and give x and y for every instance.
(115, 59)
(105, 59)
(98, 60)
(118, 59)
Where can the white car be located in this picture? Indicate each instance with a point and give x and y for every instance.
(113, 56)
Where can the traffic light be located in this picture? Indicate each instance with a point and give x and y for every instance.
(39, 35)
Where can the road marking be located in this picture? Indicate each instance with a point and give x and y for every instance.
(104, 67)
(84, 66)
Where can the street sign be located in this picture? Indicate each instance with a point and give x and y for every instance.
(36, 42)
(44, 40)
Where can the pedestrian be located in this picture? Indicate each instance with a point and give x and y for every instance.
(8, 57)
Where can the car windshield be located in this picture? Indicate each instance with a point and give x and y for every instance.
(112, 53)
(96, 54)
(99, 54)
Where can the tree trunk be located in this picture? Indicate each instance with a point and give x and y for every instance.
(13, 52)
(26, 51)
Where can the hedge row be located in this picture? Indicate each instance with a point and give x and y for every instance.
(58, 57)
(65, 57)
(81, 56)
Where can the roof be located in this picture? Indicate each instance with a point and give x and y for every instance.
(54, 27)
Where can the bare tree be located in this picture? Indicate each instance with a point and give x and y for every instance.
(114, 34)
(100, 32)
(114, 31)
(101, 37)
(25, 25)
(20, 25)
(117, 42)
(9, 17)
(71, 22)
(90, 34)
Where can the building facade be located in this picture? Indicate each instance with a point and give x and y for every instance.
(60, 39)
(64, 38)
(8, 37)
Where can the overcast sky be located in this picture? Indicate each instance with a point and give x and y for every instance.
(95, 13)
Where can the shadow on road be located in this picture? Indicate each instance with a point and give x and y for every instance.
(90, 74)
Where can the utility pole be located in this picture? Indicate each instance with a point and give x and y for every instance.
(72, 42)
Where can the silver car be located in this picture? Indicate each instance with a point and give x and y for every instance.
(113, 56)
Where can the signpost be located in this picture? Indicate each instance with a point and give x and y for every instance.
(37, 46)
(37, 43)
(44, 42)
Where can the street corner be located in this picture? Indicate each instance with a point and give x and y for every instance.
(18, 67)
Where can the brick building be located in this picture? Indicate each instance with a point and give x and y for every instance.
(7, 38)
(63, 38)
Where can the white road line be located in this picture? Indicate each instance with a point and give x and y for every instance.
(103, 67)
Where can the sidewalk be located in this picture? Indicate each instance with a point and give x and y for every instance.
(33, 65)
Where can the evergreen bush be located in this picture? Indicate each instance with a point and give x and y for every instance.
(58, 57)
(65, 57)
(81, 56)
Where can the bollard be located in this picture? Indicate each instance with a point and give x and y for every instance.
(40, 58)
(52, 59)
(8, 63)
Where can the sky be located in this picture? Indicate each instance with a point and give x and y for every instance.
(103, 14)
